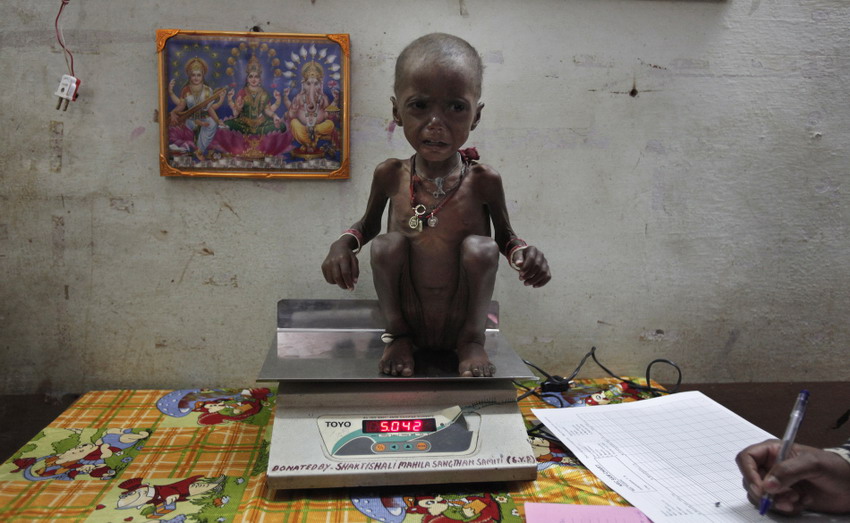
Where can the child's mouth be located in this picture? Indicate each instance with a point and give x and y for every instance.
(432, 143)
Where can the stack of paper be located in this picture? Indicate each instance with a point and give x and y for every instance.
(673, 457)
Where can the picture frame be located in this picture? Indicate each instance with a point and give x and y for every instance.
(253, 104)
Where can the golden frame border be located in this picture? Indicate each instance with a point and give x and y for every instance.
(165, 169)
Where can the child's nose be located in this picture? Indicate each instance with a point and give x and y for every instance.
(435, 120)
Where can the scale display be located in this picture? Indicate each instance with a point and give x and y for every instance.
(445, 432)
(396, 426)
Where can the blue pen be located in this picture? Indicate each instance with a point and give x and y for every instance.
(794, 420)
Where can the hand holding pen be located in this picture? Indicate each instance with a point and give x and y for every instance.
(794, 420)
(807, 478)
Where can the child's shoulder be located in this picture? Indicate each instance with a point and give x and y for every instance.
(483, 170)
(391, 168)
(486, 183)
(483, 175)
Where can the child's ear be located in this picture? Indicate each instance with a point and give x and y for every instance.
(477, 115)
(396, 116)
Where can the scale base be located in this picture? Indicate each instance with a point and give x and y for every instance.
(341, 423)
(315, 445)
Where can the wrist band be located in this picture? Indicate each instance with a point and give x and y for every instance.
(509, 245)
(506, 249)
(515, 250)
(356, 235)
(513, 246)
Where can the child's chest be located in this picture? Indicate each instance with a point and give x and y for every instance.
(451, 217)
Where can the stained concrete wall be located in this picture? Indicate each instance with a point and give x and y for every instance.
(682, 163)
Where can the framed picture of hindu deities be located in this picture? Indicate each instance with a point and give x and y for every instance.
(253, 104)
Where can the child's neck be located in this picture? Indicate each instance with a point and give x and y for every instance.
(435, 171)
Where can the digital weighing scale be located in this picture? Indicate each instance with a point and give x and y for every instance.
(339, 422)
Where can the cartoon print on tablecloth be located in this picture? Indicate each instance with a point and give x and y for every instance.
(193, 407)
(550, 454)
(193, 498)
(478, 508)
(581, 395)
(75, 454)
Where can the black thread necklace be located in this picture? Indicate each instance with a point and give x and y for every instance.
(420, 212)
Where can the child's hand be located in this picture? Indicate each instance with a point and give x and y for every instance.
(533, 267)
(340, 266)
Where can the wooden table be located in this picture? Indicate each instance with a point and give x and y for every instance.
(768, 405)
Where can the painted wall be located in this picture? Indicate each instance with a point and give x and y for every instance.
(682, 163)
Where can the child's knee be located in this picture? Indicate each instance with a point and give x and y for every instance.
(389, 248)
(480, 252)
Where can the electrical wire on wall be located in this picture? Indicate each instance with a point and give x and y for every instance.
(69, 84)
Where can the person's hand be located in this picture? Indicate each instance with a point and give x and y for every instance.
(533, 267)
(808, 479)
(340, 266)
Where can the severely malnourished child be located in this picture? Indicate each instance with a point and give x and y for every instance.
(435, 268)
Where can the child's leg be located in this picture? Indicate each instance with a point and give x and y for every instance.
(479, 259)
(389, 258)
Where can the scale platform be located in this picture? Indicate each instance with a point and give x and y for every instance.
(340, 422)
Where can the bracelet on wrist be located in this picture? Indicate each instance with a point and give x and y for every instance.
(511, 254)
(357, 235)
(511, 244)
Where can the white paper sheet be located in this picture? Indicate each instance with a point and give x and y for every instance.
(673, 457)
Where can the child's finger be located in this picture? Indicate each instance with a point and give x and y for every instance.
(350, 272)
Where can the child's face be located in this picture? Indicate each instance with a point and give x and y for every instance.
(437, 106)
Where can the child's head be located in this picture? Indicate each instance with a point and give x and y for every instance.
(437, 92)
(440, 49)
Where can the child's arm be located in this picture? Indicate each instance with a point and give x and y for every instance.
(340, 266)
(527, 259)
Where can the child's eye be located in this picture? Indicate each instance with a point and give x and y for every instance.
(417, 104)
(458, 108)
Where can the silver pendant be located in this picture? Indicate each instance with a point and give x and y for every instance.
(432, 221)
(439, 193)
(415, 221)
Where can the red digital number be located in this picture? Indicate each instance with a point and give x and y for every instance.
(414, 425)
(391, 426)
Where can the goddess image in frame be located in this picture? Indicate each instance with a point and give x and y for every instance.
(253, 104)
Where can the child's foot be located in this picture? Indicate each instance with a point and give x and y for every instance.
(473, 361)
(397, 359)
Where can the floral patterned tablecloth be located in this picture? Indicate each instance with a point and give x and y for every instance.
(199, 455)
